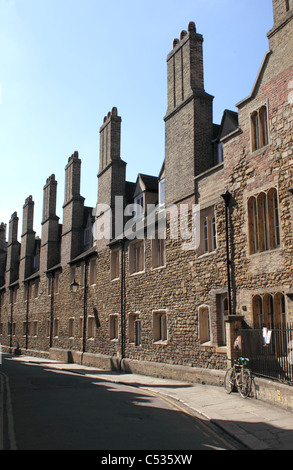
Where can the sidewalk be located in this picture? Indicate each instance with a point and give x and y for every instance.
(256, 424)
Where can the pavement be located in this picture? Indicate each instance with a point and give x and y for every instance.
(255, 424)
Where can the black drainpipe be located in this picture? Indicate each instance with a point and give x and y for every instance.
(85, 305)
(52, 308)
(122, 298)
(227, 197)
(27, 314)
(11, 315)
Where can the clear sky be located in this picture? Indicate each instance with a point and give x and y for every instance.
(65, 63)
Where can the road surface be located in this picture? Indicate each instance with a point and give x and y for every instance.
(43, 407)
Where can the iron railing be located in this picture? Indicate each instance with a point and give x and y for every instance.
(270, 351)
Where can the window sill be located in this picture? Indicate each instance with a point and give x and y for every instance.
(264, 253)
(260, 150)
(206, 255)
(161, 342)
(158, 268)
(136, 273)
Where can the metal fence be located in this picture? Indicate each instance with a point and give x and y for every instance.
(270, 351)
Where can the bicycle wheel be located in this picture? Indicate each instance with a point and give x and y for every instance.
(245, 387)
(230, 380)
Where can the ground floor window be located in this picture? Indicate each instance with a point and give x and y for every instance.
(269, 310)
(134, 329)
(204, 324)
(114, 327)
(71, 328)
(159, 325)
(91, 327)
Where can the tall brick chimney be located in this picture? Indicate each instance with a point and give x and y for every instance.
(73, 210)
(13, 251)
(282, 8)
(189, 117)
(112, 170)
(27, 240)
(50, 246)
(3, 253)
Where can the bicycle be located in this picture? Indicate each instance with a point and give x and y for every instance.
(239, 377)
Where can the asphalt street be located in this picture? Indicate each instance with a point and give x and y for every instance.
(45, 407)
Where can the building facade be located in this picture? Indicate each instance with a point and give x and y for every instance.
(166, 268)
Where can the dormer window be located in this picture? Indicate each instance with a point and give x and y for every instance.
(138, 204)
(162, 192)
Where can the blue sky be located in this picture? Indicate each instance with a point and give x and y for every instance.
(65, 63)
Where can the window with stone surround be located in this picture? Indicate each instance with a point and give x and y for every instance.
(158, 251)
(159, 325)
(204, 324)
(115, 264)
(263, 221)
(93, 272)
(71, 327)
(134, 334)
(56, 327)
(114, 327)
(136, 256)
(91, 327)
(35, 328)
(259, 128)
(208, 231)
(269, 310)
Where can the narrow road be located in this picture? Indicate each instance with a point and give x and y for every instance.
(43, 407)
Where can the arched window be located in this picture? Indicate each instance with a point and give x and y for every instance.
(204, 324)
(268, 311)
(257, 311)
(252, 225)
(259, 128)
(279, 309)
(263, 221)
(273, 218)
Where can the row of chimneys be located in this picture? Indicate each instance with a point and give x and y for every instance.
(17, 259)
(60, 243)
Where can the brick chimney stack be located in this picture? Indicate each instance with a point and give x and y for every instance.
(112, 170)
(50, 247)
(189, 117)
(13, 251)
(3, 253)
(27, 240)
(282, 9)
(73, 211)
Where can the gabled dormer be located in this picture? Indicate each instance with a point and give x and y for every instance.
(146, 192)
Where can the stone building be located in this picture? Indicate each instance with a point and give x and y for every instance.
(165, 269)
